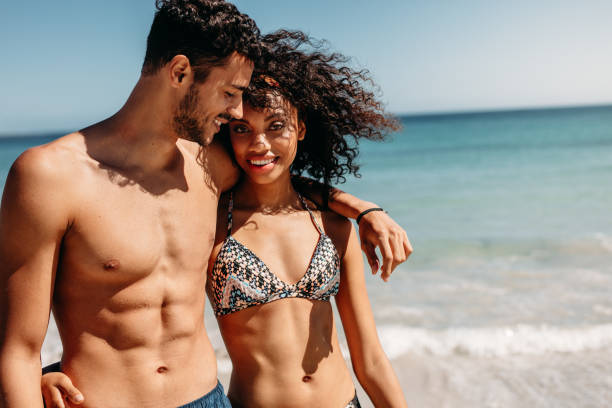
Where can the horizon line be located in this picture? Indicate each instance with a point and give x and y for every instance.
(416, 114)
(509, 109)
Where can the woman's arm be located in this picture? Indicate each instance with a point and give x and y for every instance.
(371, 365)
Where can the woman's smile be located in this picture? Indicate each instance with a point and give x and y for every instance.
(262, 165)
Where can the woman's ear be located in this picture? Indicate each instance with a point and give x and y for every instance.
(301, 130)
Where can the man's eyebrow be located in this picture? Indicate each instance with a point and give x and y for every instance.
(239, 87)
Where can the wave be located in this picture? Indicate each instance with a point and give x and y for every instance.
(516, 249)
(605, 241)
(493, 342)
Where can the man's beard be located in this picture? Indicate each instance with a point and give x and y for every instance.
(186, 122)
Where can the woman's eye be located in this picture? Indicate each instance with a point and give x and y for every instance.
(229, 94)
(277, 125)
(240, 129)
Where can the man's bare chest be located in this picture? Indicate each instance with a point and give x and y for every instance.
(125, 229)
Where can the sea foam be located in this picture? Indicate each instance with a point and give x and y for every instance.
(494, 342)
(604, 240)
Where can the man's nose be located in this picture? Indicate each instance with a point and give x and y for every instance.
(236, 110)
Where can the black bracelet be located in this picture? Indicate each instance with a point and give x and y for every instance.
(367, 211)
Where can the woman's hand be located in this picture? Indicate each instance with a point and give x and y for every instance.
(56, 387)
(377, 229)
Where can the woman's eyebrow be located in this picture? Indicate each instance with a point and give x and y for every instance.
(275, 115)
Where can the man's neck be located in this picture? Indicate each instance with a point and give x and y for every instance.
(139, 137)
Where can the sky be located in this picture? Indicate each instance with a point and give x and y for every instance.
(69, 63)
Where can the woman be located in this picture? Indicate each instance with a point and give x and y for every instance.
(277, 261)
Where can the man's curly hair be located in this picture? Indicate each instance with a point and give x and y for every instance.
(205, 31)
(337, 103)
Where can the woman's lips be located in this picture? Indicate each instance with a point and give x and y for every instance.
(262, 165)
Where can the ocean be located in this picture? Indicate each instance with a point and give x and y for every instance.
(506, 300)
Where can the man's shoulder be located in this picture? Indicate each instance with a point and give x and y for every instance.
(215, 161)
(192, 149)
(51, 162)
(43, 184)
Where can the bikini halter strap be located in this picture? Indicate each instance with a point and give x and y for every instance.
(312, 217)
(230, 207)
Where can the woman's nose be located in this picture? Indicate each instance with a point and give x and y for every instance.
(260, 140)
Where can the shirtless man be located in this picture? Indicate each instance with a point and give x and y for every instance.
(112, 226)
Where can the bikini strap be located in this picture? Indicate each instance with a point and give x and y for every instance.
(230, 207)
(312, 217)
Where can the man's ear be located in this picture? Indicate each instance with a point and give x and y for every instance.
(180, 71)
(301, 130)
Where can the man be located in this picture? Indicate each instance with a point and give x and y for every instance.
(112, 226)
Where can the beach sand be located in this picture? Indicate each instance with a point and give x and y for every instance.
(416, 374)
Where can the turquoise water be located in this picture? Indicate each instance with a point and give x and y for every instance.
(499, 175)
(511, 201)
(509, 215)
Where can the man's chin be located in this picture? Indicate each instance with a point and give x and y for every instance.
(200, 138)
(206, 140)
(207, 137)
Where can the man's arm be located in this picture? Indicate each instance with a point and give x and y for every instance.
(376, 228)
(32, 223)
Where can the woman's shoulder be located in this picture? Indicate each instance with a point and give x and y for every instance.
(338, 228)
(332, 223)
(335, 222)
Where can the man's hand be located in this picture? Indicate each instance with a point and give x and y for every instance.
(377, 229)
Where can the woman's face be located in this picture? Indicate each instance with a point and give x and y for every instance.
(265, 140)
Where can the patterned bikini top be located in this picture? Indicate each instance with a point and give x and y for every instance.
(240, 279)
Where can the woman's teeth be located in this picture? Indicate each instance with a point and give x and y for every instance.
(261, 162)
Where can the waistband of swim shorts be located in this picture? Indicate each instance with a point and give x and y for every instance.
(214, 399)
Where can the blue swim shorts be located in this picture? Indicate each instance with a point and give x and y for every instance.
(214, 399)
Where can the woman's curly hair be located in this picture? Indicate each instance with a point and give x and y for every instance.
(205, 31)
(338, 104)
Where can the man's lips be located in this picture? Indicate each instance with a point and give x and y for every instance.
(220, 120)
(217, 123)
